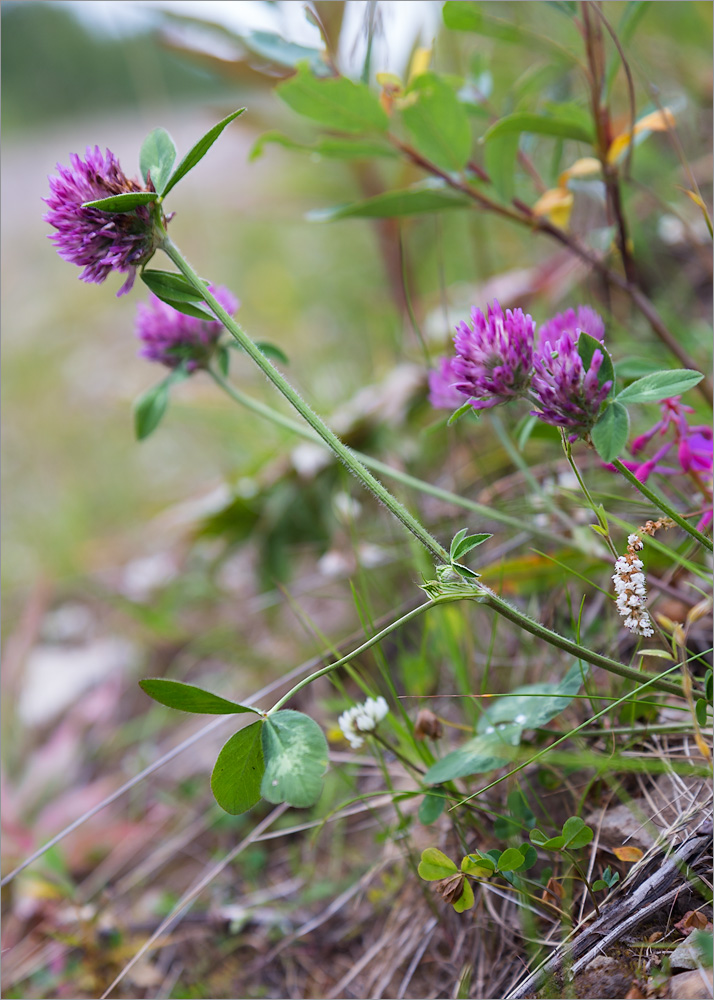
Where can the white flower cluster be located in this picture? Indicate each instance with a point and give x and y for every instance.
(362, 719)
(630, 589)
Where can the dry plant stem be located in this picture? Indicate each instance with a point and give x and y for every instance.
(523, 215)
(662, 505)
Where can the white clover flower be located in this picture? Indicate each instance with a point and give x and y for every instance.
(362, 718)
(631, 590)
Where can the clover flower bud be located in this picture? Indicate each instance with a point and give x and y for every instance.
(362, 718)
(568, 394)
(99, 242)
(173, 338)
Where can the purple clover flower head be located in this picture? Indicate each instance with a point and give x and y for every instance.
(442, 394)
(572, 321)
(568, 395)
(171, 337)
(494, 356)
(100, 242)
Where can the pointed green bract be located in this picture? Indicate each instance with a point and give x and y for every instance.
(157, 157)
(123, 202)
(587, 346)
(197, 152)
(189, 698)
(238, 771)
(334, 103)
(150, 407)
(177, 292)
(295, 751)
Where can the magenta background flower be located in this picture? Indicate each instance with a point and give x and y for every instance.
(572, 321)
(100, 242)
(568, 395)
(442, 394)
(170, 337)
(494, 356)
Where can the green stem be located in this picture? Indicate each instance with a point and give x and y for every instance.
(554, 639)
(374, 463)
(586, 493)
(318, 425)
(663, 505)
(373, 640)
(392, 504)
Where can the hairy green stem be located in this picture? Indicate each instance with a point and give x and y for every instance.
(569, 646)
(663, 505)
(354, 465)
(318, 425)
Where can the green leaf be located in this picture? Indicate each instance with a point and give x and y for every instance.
(466, 899)
(576, 833)
(277, 50)
(460, 15)
(327, 146)
(564, 127)
(432, 806)
(547, 843)
(511, 860)
(438, 122)
(272, 351)
(500, 163)
(149, 410)
(171, 285)
(458, 414)
(189, 698)
(295, 751)
(335, 103)
(478, 865)
(158, 153)
(477, 756)
(435, 865)
(238, 771)
(190, 309)
(530, 856)
(610, 433)
(534, 705)
(150, 407)
(587, 346)
(123, 202)
(660, 385)
(463, 543)
(408, 201)
(197, 152)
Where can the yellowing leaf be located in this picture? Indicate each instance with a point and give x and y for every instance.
(389, 80)
(656, 121)
(556, 204)
(420, 63)
(586, 166)
(627, 853)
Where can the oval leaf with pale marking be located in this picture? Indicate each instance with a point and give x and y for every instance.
(295, 752)
(660, 385)
(239, 769)
(189, 698)
(197, 152)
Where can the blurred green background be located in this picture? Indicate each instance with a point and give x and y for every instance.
(78, 491)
